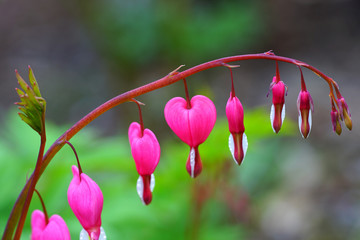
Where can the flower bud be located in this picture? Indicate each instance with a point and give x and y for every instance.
(55, 229)
(277, 112)
(305, 104)
(86, 201)
(345, 113)
(237, 140)
(335, 120)
(192, 125)
(145, 150)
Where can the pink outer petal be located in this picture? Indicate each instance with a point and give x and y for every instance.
(278, 91)
(235, 115)
(86, 200)
(37, 224)
(193, 125)
(55, 230)
(144, 149)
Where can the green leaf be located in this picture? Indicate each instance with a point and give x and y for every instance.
(34, 83)
(32, 104)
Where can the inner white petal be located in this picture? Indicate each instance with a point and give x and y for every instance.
(272, 116)
(300, 123)
(192, 161)
(283, 114)
(232, 147)
(310, 121)
(140, 188)
(244, 144)
(152, 183)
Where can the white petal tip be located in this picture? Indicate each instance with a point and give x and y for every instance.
(192, 161)
(232, 147)
(152, 183)
(272, 116)
(140, 188)
(245, 144)
(85, 236)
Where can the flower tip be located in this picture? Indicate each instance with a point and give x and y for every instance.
(348, 121)
(145, 186)
(193, 164)
(85, 236)
(238, 145)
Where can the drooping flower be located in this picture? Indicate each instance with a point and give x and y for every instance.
(145, 150)
(304, 105)
(192, 124)
(277, 112)
(55, 229)
(237, 140)
(86, 201)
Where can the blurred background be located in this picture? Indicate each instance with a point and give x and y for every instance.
(86, 52)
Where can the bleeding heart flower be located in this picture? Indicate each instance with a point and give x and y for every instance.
(55, 229)
(304, 105)
(86, 201)
(277, 112)
(237, 140)
(192, 125)
(145, 150)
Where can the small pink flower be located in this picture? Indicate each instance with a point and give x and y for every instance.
(237, 140)
(192, 125)
(55, 229)
(277, 113)
(304, 105)
(145, 150)
(86, 201)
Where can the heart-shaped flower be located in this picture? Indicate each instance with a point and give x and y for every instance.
(145, 150)
(55, 229)
(192, 125)
(86, 201)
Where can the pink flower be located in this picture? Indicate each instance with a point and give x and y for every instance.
(304, 105)
(277, 113)
(55, 229)
(86, 201)
(237, 140)
(145, 150)
(192, 125)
